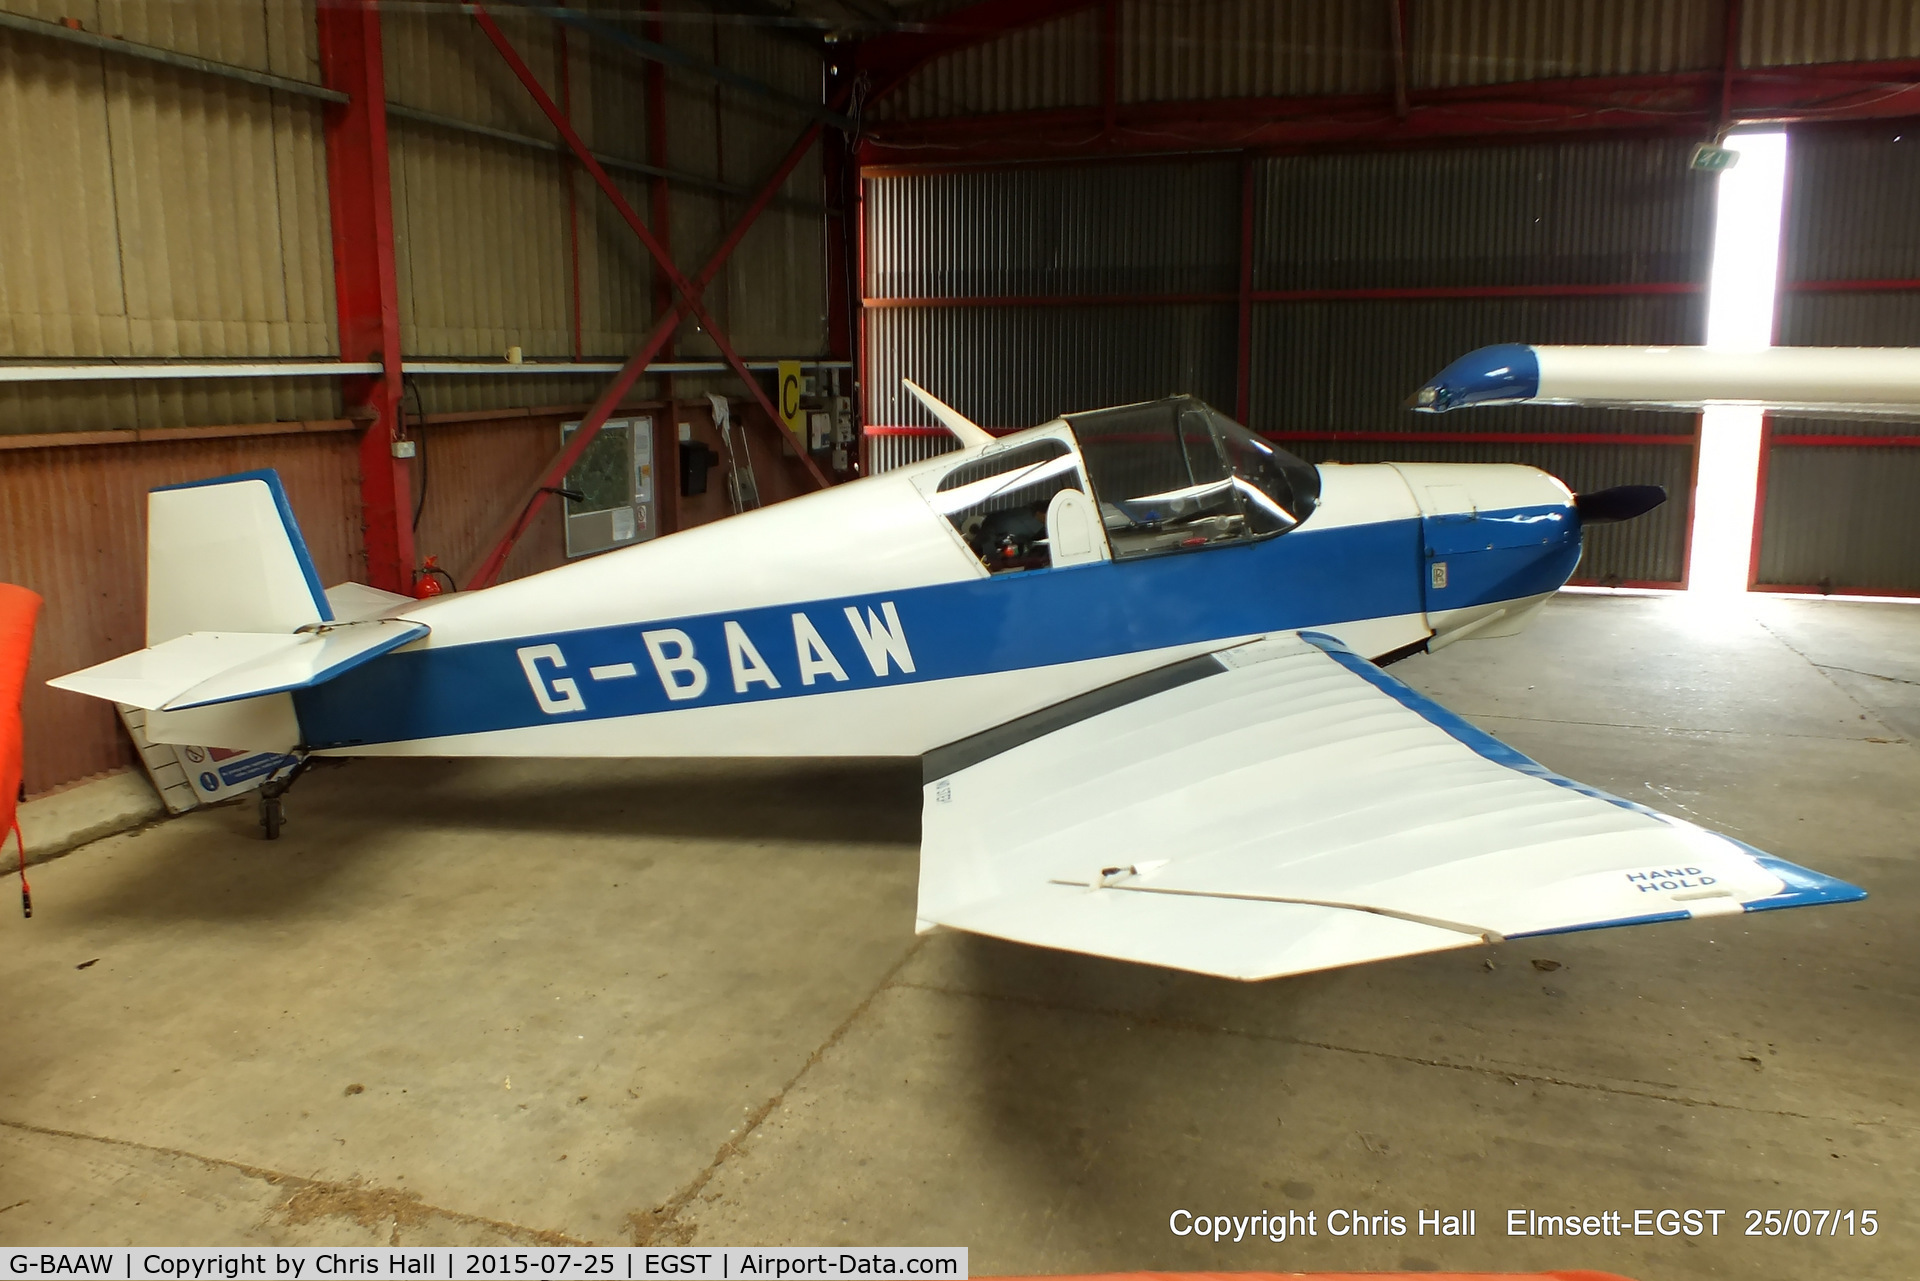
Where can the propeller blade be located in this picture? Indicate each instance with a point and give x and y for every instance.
(1622, 502)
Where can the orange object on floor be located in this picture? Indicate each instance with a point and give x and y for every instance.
(18, 610)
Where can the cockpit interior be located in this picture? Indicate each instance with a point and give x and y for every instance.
(1163, 476)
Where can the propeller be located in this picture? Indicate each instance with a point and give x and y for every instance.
(1622, 502)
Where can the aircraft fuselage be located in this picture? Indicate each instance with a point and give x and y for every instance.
(857, 621)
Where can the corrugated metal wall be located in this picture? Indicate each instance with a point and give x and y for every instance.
(1251, 49)
(482, 228)
(1052, 64)
(1782, 32)
(1603, 212)
(1169, 228)
(1170, 50)
(1844, 518)
(772, 296)
(153, 213)
(1473, 42)
(156, 213)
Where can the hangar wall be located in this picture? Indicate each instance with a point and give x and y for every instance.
(161, 214)
(1180, 50)
(1022, 293)
(1371, 264)
(1836, 501)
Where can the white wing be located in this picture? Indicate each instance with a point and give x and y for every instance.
(1286, 806)
(1847, 381)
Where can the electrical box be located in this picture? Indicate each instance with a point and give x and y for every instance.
(819, 429)
(696, 459)
(841, 407)
(615, 481)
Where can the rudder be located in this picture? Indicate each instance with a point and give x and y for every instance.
(226, 555)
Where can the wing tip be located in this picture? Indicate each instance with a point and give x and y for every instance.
(1803, 887)
(1502, 373)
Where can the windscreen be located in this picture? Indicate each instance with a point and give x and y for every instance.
(1176, 474)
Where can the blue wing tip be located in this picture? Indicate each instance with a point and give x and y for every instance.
(1490, 375)
(1804, 886)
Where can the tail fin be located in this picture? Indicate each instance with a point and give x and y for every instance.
(225, 555)
(234, 607)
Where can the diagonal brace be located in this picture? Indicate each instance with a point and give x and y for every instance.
(640, 229)
(522, 516)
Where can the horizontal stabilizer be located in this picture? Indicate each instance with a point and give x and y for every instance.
(1286, 806)
(1877, 382)
(218, 667)
(357, 602)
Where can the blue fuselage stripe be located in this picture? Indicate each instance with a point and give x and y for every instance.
(1037, 618)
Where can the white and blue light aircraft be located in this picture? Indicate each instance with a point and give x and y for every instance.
(1139, 651)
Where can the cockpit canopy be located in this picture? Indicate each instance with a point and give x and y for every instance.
(1177, 473)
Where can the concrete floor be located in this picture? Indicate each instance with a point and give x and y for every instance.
(498, 1001)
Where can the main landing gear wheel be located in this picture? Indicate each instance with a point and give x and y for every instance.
(272, 814)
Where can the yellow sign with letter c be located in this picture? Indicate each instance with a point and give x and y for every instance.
(789, 398)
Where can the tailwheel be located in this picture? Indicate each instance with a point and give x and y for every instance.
(272, 813)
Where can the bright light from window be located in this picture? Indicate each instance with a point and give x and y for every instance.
(1740, 298)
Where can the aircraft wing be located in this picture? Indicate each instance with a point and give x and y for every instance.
(1879, 382)
(1285, 806)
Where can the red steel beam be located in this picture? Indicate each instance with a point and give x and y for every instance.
(520, 517)
(1785, 441)
(1677, 103)
(1243, 354)
(1760, 500)
(1729, 64)
(1849, 286)
(1397, 293)
(1836, 589)
(863, 394)
(1412, 293)
(1109, 64)
(366, 293)
(1397, 34)
(565, 60)
(659, 195)
(689, 295)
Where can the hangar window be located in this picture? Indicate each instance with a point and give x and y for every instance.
(1176, 474)
(999, 502)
